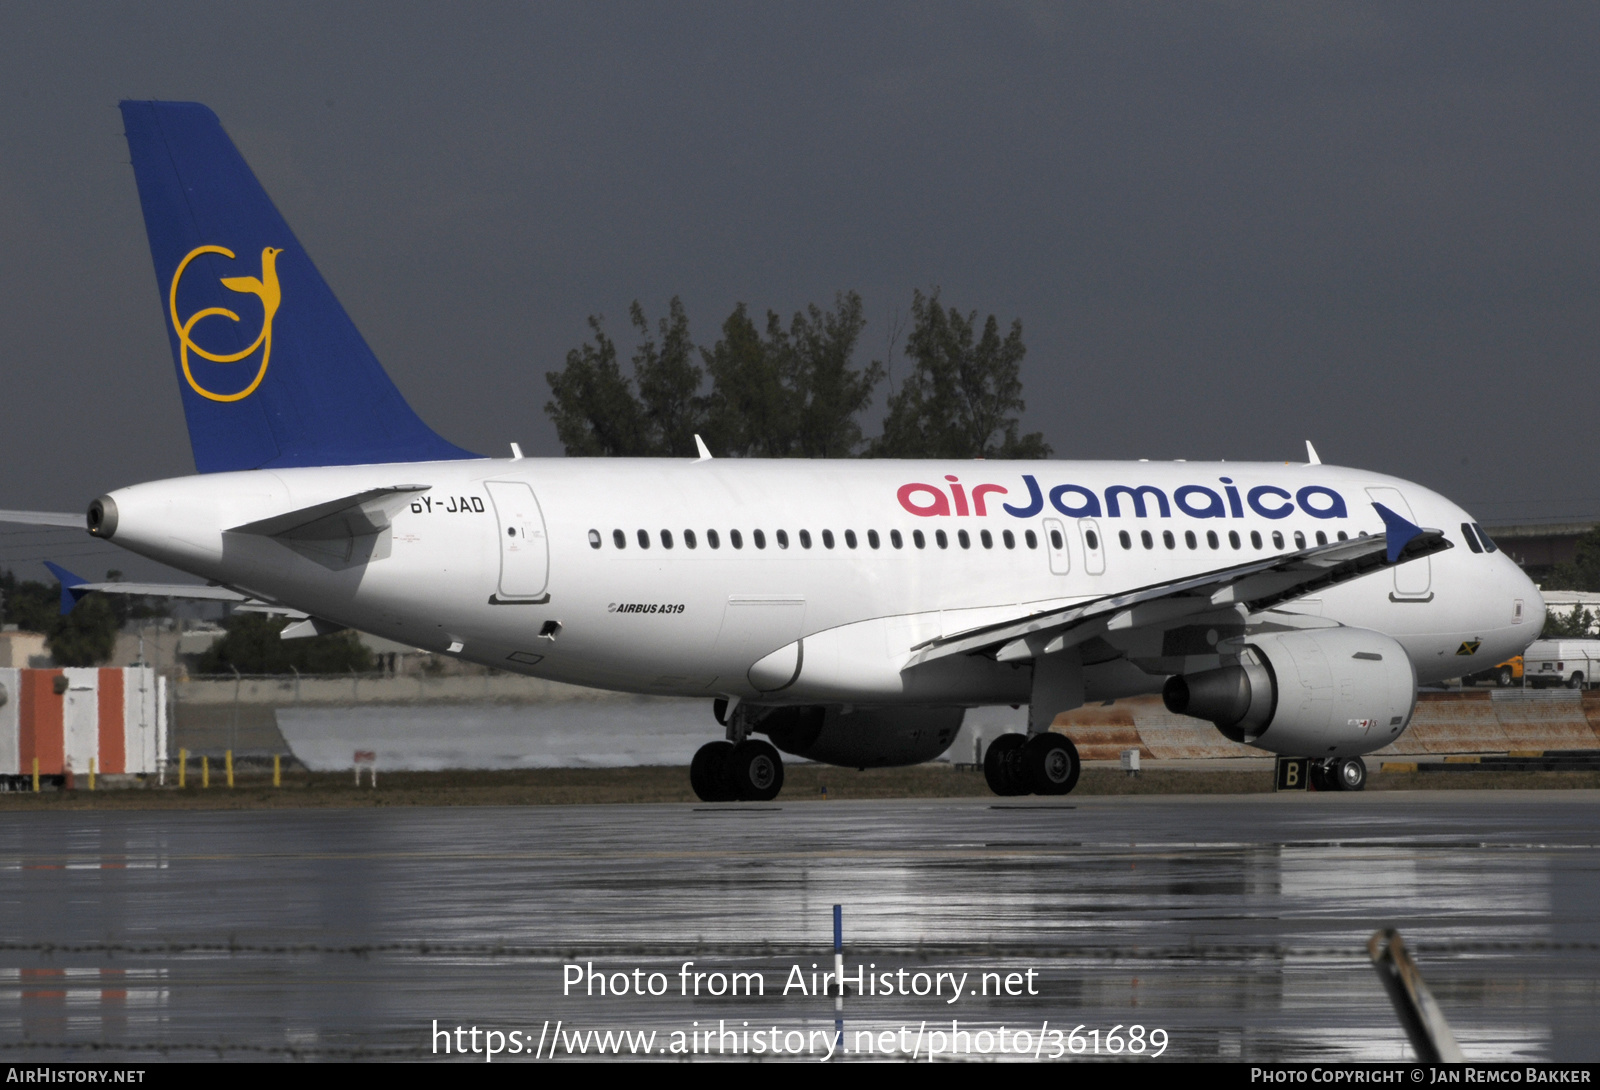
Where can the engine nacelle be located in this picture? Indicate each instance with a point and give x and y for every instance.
(1327, 692)
(862, 738)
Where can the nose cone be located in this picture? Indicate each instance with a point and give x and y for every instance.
(1532, 603)
(1518, 597)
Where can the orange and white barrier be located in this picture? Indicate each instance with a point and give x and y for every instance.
(114, 716)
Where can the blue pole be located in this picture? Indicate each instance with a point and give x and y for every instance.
(838, 973)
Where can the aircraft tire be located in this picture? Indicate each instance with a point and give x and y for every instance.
(1000, 765)
(708, 772)
(1049, 763)
(1349, 774)
(753, 771)
(1320, 776)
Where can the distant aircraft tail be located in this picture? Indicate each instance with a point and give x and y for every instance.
(271, 369)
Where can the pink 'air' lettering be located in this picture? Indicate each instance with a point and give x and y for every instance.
(980, 492)
(938, 503)
(959, 493)
(939, 506)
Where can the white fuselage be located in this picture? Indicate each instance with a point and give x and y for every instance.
(451, 575)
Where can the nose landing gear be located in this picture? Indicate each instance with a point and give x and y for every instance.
(1339, 774)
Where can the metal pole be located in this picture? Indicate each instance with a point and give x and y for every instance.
(838, 976)
(1424, 1022)
(233, 725)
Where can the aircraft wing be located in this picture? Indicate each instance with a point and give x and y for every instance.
(166, 590)
(74, 587)
(1257, 585)
(44, 518)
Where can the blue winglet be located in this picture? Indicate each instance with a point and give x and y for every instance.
(1398, 532)
(70, 594)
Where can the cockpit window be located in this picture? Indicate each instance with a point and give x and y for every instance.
(1471, 536)
(1488, 542)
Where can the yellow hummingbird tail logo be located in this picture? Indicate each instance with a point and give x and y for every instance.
(266, 288)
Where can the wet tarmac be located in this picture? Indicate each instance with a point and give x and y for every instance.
(1235, 925)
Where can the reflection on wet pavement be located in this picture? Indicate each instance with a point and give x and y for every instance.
(1236, 924)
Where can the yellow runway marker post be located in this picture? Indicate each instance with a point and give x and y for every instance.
(91, 773)
(36, 775)
(205, 771)
(277, 770)
(228, 757)
(183, 766)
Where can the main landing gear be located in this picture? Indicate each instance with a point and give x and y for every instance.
(747, 771)
(1339, 774)
(1032, 764)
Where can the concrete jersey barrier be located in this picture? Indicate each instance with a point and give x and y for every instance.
(1494, 721)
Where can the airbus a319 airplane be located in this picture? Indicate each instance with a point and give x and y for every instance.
(849, 611)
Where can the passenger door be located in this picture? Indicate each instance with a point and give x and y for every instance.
(1413, 580)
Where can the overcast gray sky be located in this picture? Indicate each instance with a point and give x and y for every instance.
(1226, 227)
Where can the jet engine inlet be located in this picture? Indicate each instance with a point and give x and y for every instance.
(103, 517)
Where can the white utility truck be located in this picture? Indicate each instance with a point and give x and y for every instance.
(1573, 663)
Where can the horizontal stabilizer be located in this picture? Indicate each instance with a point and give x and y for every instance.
(44, 518)
(348, 516)
(74, 587)
(309, 626)
(169, 590)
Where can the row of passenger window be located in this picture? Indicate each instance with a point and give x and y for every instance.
(1215, 542)
(713, 539)
(758, 538)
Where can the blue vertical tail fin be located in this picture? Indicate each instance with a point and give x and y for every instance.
(271, 369)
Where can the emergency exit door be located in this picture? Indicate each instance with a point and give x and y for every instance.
(524, 547)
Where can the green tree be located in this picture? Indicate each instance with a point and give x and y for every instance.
(592, 402)
(795, 392)
(85, 637)
(1583, 571)
(1577, 624)
(750, 411)
(30, 605)
(600, 411)
(830, 393)
(792, 391)
(669, 382)
(964, 395)
(252, 646)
